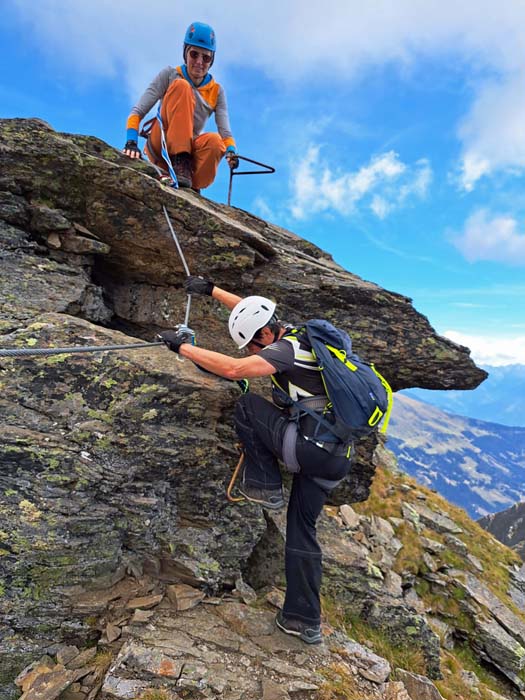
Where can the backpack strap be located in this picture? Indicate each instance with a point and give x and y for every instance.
(378, 414)
(301, 407)
(337, 429)
(389, 396)
(341, 432)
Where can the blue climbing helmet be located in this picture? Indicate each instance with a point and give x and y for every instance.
(200, 35)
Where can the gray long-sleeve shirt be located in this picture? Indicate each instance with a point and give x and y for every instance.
(209, 98)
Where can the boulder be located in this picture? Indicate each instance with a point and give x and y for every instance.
(418, 687)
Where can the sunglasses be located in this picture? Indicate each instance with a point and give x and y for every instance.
(206, 58)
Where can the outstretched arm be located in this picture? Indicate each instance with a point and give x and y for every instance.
(227, 298)
(195, 284)
(226, 366)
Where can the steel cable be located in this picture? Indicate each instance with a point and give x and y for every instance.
(23, 352)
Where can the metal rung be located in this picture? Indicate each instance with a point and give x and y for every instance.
(268, 170)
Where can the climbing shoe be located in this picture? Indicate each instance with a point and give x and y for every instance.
(182, 166)
(267, 498)
(309, 633)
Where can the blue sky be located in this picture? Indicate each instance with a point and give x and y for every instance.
(397, 130)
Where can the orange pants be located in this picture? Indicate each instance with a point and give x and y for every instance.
(177, 116)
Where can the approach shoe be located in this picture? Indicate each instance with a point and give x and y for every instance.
(267, 498)
(182, 166)
(309, 633)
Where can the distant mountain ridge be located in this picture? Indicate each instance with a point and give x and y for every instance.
(478, 465)
(508, 527)
(499, 399)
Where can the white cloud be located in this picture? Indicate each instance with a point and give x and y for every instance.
(491, 237)
(379, 206)
(384, 184)
(493, 133)
(292, 40)
(263, 209)
(284, 38)
(490, 350)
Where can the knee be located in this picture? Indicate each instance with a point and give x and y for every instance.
(181, 87)
(242, 409)
(247, 408)
(178, 91)
(214, 142)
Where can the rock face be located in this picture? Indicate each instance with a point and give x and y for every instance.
(73, 187)
(116, 463)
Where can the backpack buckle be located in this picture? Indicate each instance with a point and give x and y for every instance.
(375, 417)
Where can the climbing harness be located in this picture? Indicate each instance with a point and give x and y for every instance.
(184, 264)
(24, 352)
(236, 472)
(268, 170)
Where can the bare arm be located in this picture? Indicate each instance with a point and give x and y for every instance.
(227, 298)
(226, 366)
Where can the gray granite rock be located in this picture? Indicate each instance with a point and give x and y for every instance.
(499, 648)
(418, 687)
(436, 521)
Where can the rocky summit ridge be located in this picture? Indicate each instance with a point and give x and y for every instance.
(115, 535)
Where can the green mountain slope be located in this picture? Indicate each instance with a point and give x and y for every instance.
(477, 465)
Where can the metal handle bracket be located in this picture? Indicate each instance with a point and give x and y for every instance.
(265, 170)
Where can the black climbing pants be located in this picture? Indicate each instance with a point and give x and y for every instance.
(260, 426)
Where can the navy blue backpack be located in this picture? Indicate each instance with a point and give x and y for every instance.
(359, 397)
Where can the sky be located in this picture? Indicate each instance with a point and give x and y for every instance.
(397, 130)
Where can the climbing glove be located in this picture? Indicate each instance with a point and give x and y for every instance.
(132, 150)
(178, 336)
(244, 385)
(194, 284)
(233, 160)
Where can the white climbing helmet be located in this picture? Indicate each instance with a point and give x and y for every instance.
(248, 316)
